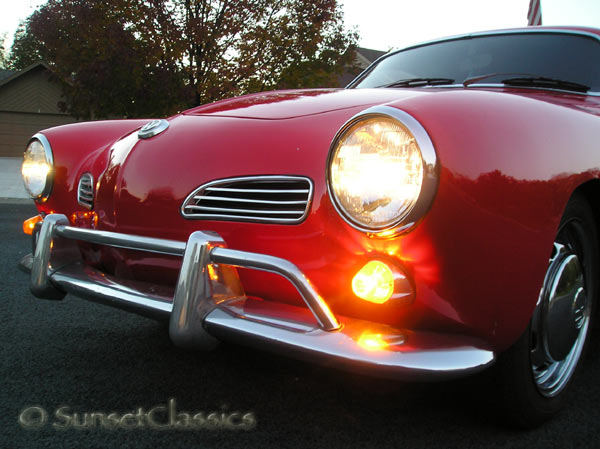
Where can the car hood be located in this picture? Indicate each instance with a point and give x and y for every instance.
(298, 103)
(274, 133)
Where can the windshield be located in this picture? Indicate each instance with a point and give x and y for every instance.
(561, 56)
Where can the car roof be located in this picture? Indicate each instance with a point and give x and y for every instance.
(588, 31)
(576, 30)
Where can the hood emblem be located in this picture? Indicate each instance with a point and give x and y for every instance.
(153, 128)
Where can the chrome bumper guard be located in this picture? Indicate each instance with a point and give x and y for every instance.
(209, 304)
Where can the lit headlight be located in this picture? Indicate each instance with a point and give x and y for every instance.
(37, 168)
(382, 170)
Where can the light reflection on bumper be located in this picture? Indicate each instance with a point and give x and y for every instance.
(206, 307)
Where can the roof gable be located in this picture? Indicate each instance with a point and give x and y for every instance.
(6, 74)
(11, 75)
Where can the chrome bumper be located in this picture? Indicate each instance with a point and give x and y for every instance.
(208, 304)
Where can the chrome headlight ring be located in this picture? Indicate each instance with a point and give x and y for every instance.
(406, 219)
(38, 168)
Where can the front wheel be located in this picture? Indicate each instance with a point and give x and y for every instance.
(536, 371)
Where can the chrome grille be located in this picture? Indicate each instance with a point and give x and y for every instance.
(85, 190)
(263, 199)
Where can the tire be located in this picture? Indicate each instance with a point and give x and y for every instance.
(535, 373)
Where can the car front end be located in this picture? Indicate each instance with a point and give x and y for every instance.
(402, 232)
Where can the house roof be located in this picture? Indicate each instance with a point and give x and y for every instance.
(370, 54)
(6, 76)
(363, 59)
(365, 56)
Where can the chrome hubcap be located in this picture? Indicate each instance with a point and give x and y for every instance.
(560, 322)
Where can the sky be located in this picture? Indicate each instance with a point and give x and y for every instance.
(393, 24)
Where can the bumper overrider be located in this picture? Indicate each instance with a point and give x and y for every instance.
(209, 304)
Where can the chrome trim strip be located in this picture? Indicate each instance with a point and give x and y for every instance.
(56, 224)
(160, 246)
(503, 86)
(39, 282)
(73, 279)
(47, 147)
(247, 211)
(213, 186)
(286, 269)
(542, 30)
(249, 218)
(339, 347)
(197, 319)
(430, 171)
(193, 296)
(50, 159)
(242, 200)
(289, 338)
(226, 189)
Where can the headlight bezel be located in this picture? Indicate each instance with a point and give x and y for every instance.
(47, 190)
(430, 167)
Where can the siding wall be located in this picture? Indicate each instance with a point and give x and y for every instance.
(28, 104)
(16, 128)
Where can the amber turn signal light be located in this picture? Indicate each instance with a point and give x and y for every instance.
(29, 224)
(378, 282)
(374, 282)
(372, 342)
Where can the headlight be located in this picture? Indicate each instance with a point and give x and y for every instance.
(382, 170)
(37, 168)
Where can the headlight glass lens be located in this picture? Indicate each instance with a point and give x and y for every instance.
(36, 169)
(376, 172)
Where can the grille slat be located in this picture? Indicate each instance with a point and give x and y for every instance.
(242, 211)
(266, 199)
(85, 190)
(246, 200)
(224, 189)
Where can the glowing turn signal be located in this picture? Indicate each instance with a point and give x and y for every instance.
(212, 272)
(29, 224)
(374, 282)
(372, 342)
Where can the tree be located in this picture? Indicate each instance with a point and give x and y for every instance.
(24, 51)
(154, 57)
(3, 62)
(92, 48)
(234, 47)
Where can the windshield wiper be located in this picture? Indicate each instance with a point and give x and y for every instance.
(529, 80)
(419, 82)
(542, 81)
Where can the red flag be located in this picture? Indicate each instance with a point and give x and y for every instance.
(534, 15)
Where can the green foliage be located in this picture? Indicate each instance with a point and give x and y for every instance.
(155, 57)
(25, 48)
(3, 62)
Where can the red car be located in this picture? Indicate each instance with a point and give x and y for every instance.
(436, 216)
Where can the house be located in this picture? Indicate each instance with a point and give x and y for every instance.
(28, 103)
(362, 59)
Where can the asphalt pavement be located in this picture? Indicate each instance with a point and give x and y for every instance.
(11, 184)
(61, 360)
